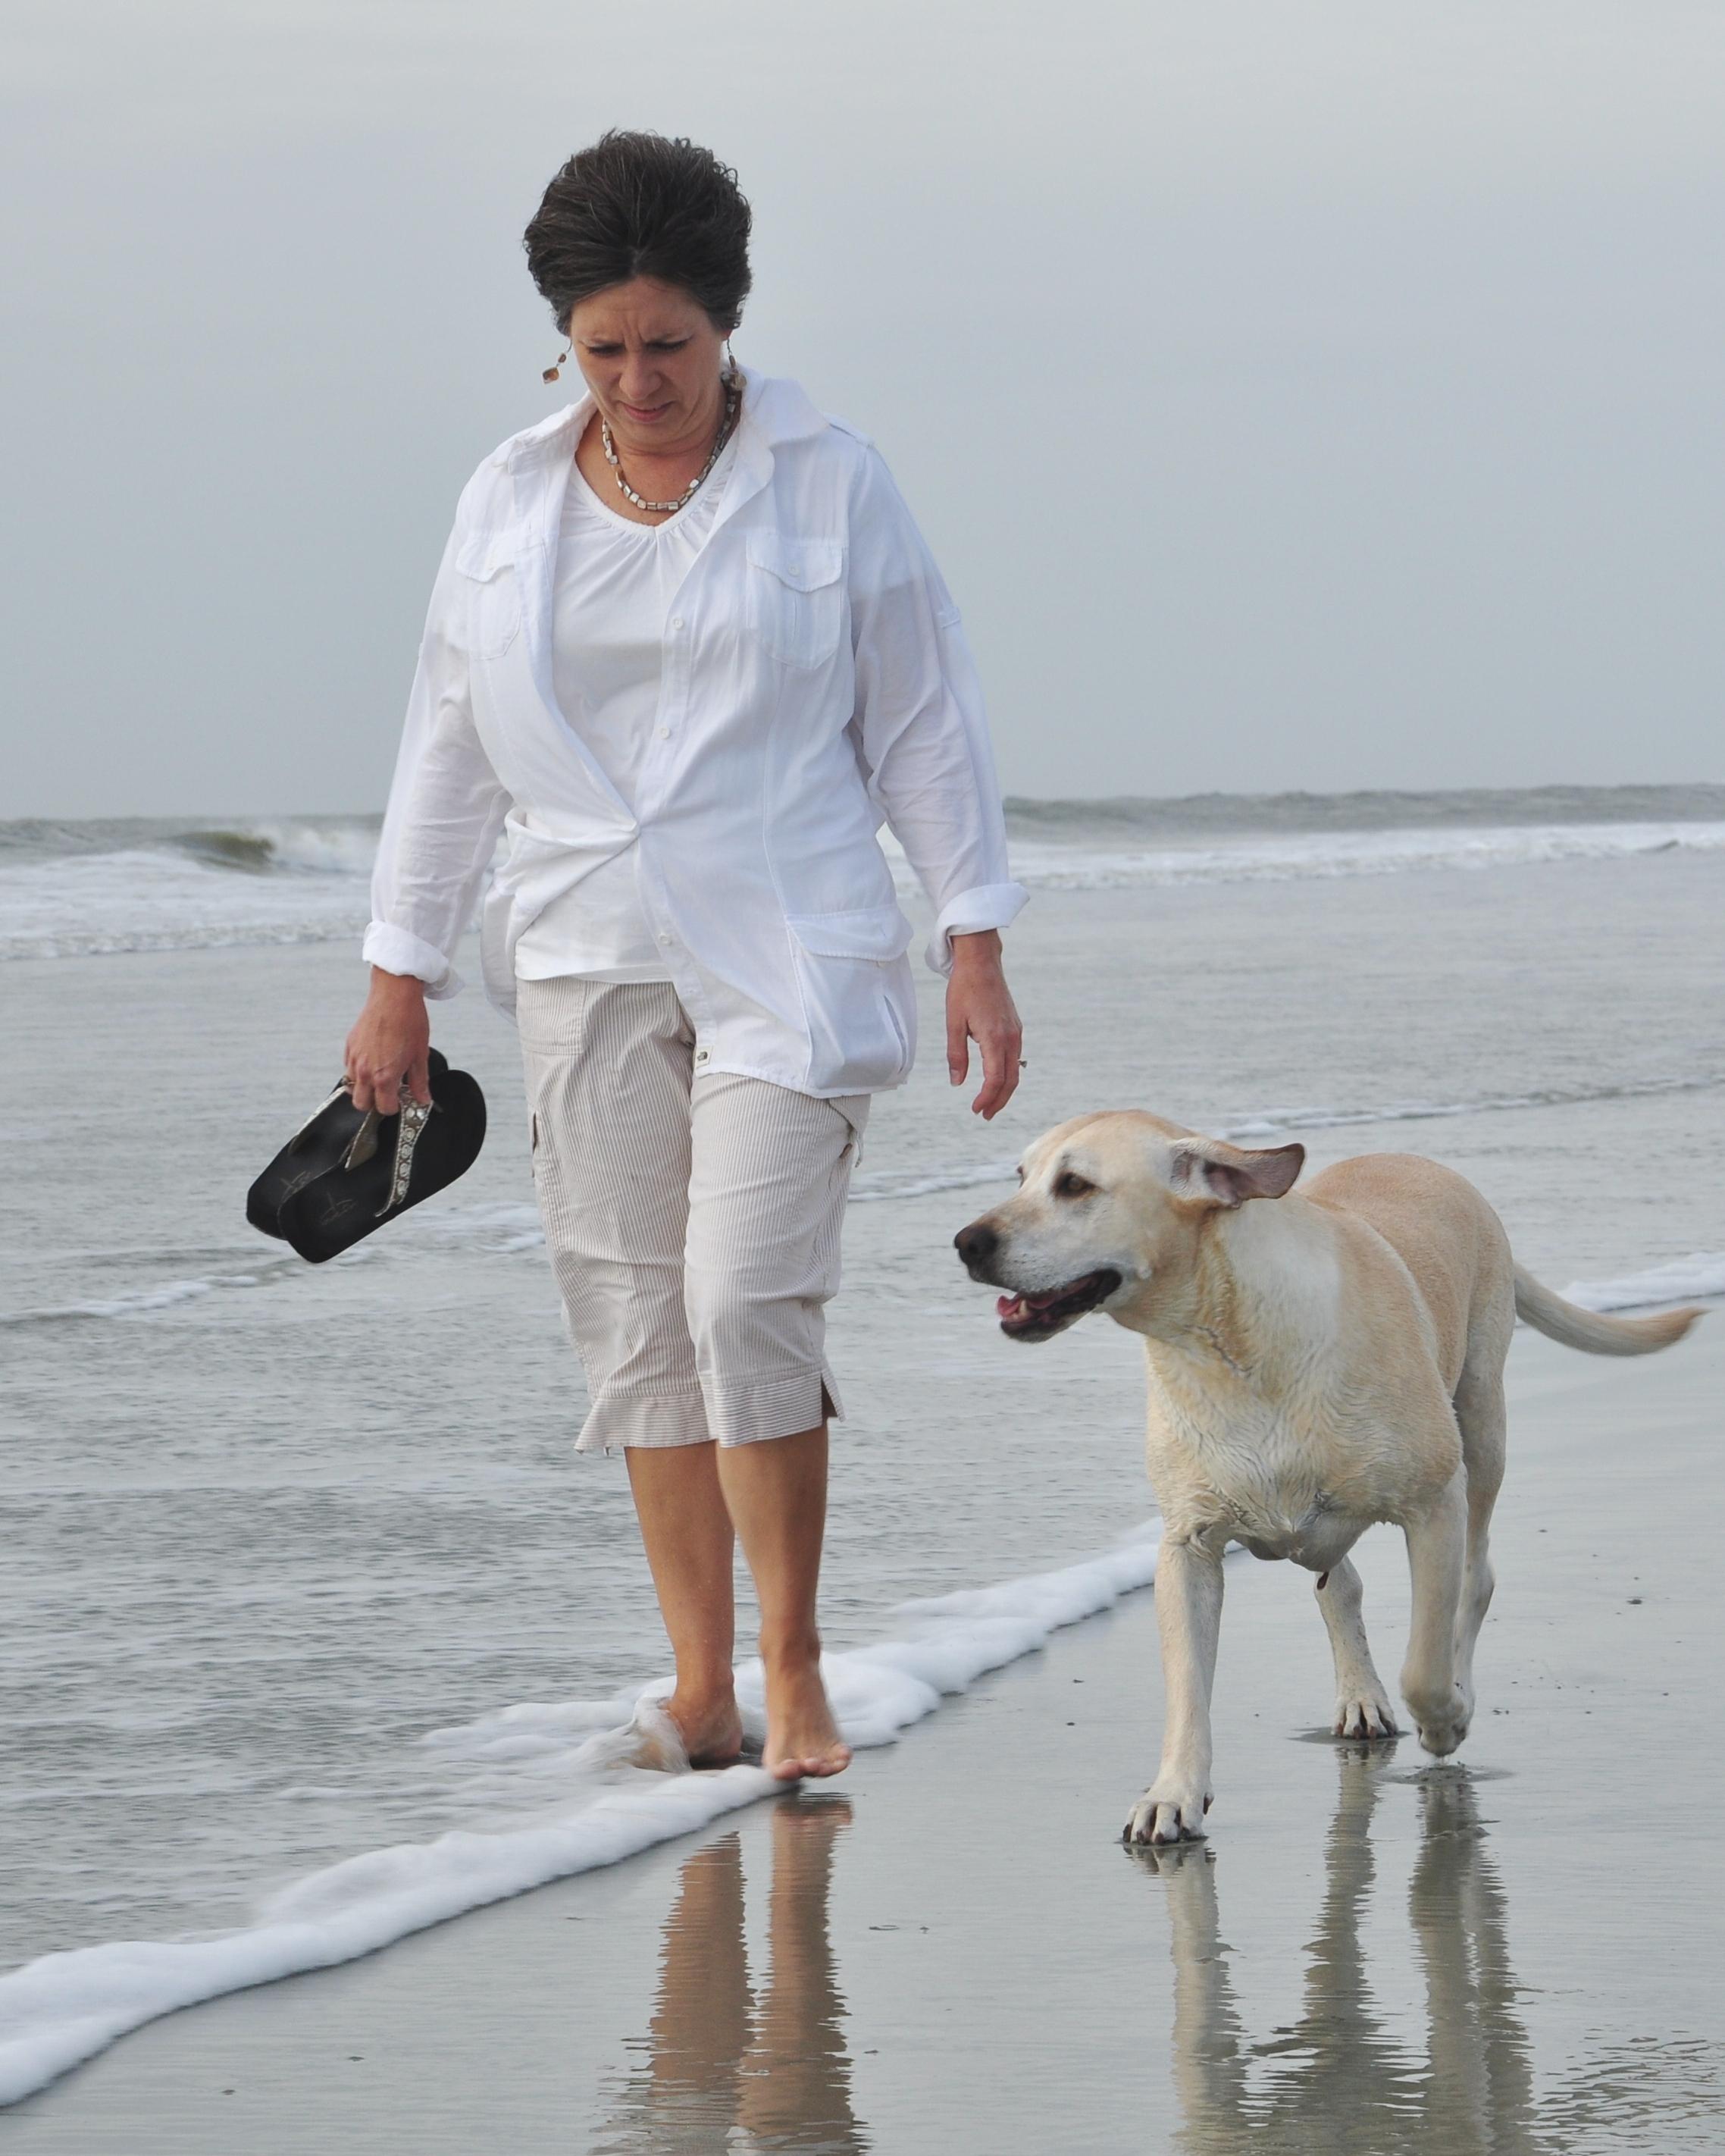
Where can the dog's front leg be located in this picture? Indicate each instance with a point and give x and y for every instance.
(1189, 1615)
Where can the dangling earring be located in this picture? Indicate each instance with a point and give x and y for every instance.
(729, 376)
(551, 373)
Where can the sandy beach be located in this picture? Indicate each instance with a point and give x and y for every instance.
(951, 1950)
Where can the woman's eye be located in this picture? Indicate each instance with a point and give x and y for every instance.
(1072, 1185)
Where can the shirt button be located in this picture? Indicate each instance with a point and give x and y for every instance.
(677, 621)
(700, 1056)
(664, 733)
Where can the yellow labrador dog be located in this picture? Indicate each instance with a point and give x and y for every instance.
(1316, 1364)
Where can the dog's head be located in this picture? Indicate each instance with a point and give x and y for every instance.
(1109, 1209)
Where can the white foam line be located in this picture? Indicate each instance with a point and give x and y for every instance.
(1701, 1275)
(1270, 1124)
(1297, 856)
(139, 1304)
(58, 2011)
(146, 1302)
(911, 1183)
(143, 943)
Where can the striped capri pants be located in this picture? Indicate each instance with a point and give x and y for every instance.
(692, 1221)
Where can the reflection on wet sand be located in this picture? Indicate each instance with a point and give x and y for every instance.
(1341, 2081)
(726, 2072)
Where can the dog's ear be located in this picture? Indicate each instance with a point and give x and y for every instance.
(1217, 1174)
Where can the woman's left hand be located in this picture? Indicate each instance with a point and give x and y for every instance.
(979, 1007)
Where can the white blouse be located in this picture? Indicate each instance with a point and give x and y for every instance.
(814, 684)
(615, 582)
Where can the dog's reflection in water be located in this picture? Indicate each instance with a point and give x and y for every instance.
(729, 2070)
(1340, 2081)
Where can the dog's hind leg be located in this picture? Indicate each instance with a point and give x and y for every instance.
(1437, 1557)
(1363, 1707)
(1480, 1411)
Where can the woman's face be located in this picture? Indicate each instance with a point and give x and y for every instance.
(652, 359)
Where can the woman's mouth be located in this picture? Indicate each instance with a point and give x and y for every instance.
(644, 414)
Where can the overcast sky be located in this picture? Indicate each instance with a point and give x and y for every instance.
(1320, 394)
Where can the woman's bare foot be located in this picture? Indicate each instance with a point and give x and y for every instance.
(802, 1738)
(710, 1725)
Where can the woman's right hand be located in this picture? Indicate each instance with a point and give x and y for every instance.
(389, 1049)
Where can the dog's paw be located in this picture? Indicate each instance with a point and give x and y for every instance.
(1171, 1810)
(1443, 1724)
(1364, 1714)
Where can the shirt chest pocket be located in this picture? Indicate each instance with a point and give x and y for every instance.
(796, 597)
(490, 575)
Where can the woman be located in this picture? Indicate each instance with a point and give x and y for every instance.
(686, 651)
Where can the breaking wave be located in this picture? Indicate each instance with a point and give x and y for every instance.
(136, 885)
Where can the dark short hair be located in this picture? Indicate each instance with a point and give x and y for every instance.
(636, 204)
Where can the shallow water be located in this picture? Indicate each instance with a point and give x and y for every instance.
(1514, 1952)
(269, 1526)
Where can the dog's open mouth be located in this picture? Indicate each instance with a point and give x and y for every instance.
(1036, 1316)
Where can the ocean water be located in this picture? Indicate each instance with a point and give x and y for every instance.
(300, 1568)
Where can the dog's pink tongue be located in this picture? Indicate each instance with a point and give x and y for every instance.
(1009, 1305)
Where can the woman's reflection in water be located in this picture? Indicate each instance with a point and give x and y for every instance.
(727, 2071)
(1339, 2081)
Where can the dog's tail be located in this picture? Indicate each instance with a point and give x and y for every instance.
(1586, 1329)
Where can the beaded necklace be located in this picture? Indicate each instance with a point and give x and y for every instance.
(733, 404)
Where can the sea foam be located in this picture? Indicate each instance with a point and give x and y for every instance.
(1301, 856)
(1271, 1126)
(1694, 1278)
(59, 2010)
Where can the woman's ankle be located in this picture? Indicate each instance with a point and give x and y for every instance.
(709, 1723)
(706, 1694)
(790, 1650)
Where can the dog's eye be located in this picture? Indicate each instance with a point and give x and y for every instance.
(1069, 1185)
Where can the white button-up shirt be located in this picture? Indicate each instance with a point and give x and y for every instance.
(816, 685)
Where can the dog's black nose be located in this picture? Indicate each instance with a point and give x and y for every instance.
(977, 1243)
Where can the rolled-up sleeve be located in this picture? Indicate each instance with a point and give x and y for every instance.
(446, 809)
(920, 722)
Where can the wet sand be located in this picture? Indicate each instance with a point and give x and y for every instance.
(950, 1950)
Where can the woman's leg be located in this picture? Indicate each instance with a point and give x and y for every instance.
(691, 1550)
(775, 1491)
(609, 1067)
(687, 1498)
(769, 1174)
